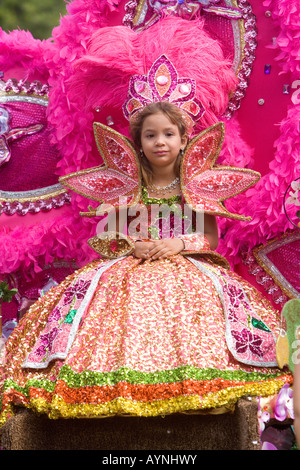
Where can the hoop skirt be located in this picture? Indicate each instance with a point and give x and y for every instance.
(144, 338)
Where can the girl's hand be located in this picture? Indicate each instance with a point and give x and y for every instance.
(165, 248)
(142, 249)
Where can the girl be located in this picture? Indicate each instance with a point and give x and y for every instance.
(150, 331)
(161, 132)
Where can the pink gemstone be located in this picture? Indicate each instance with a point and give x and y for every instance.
(184, 89)
(162, 80)
(130, 106)
(139, 87)
(194, 108)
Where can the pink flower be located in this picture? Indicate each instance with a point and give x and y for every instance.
(246, 340)
(54, 315)
(268, 446)
(263, 417)
(236, 295)
(46, 342)
(284, 404)
(78, 290)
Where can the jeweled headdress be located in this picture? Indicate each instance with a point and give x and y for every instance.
(163, 84)
(205, 186)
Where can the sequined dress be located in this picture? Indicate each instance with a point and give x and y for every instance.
(143, 338)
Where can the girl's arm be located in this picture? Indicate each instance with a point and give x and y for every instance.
(211, 231)
(190, 243)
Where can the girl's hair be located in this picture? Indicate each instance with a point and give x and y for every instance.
(175, 116)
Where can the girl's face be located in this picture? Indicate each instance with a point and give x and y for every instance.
(161, 141)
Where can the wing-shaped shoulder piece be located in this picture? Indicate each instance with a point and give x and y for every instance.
(117, 183)
(205, 186)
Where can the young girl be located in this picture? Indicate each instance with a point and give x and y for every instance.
(161, 133)
(150, 331)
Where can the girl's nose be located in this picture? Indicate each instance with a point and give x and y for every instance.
(160, 140)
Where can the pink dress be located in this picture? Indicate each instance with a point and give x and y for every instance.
(145, 338)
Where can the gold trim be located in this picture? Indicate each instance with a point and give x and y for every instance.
(23, 94)
(210, 256)
(241, 23)
(101, 244)
(138, 12)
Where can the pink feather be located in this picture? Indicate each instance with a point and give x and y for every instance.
(115, 54)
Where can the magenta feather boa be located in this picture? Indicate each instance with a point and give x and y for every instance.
(52, 61)
(29, 248)
(264, 202)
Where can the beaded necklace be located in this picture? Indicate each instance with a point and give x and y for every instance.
(159, 190)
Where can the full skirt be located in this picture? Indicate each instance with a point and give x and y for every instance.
(141, 338)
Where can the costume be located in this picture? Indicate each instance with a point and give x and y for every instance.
(131, 337)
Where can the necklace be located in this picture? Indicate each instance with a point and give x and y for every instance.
(164, 189)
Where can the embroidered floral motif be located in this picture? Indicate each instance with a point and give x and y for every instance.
(46, 342)
(78, 290)
(245, 340)
(55, 315)
(236, 296)
(232, 316)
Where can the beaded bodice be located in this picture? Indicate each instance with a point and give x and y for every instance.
(160, 217)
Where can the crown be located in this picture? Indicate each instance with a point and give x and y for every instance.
(163, 84)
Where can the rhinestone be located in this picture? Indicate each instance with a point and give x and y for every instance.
(162, 80)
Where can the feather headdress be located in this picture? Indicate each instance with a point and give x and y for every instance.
(122, 69)
(116, 54)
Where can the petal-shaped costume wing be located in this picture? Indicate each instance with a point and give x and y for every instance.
(206, 186)
(116, 183)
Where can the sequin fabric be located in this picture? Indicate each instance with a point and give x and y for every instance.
(150, 340)
(206, 186)
(117, 180)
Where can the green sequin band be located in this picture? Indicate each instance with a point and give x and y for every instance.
(90, 378)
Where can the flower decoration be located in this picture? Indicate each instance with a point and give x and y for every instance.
(245, 340)
(78, 290)
(263, 416)
(284, 404)
(292, 199)
(294, 196)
